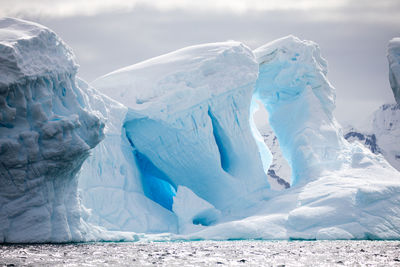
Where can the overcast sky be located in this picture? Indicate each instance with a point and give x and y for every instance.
(107, 35)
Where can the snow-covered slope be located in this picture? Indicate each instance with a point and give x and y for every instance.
(382, 133)
(188, 124)
(386, 128)
(279, 172)
(46, 132)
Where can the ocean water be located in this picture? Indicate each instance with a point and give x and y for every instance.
(206, 253)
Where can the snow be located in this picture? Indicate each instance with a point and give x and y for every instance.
(29, 50)
(386, 128)
(46, 133)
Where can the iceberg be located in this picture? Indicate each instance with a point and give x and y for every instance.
(46, 133)
(168, 147)
(339, 190)
(188, 124)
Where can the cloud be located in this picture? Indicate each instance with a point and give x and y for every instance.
(62, 8)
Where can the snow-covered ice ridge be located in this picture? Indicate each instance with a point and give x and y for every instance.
(180, 154)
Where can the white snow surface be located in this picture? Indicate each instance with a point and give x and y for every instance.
(29, 50)
(46, 132)
(386, 127)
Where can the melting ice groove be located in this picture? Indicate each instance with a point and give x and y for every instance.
(174, 151)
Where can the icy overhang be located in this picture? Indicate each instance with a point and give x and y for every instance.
(181, 79)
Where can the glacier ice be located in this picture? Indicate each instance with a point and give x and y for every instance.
(110, 182)
(340, 190)
(188, 123)
(293, 87)
(46, 132)
(180, 153)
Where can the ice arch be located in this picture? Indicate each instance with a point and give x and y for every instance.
(188, 117)
(300, 100)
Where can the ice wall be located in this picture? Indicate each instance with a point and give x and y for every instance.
(300, 100)
(188, 123)
(394, 67)
(110, 183)
(46, 132)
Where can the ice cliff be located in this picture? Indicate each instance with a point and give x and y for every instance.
(46, 132)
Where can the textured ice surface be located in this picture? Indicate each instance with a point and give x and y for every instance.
(299, 99)
(341, 190)
(394, 67)
(46, 132)
(110, 182)
(350, 188)
(188, 123)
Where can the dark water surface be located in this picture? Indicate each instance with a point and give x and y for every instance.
(206, 253)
